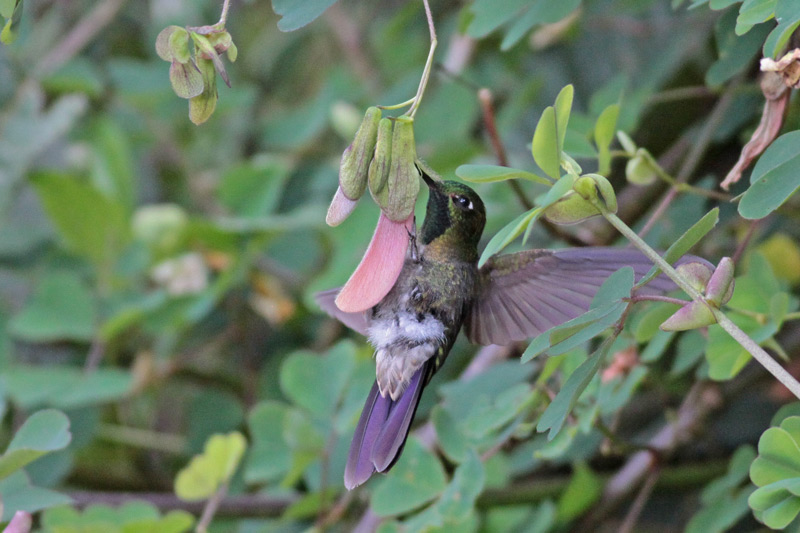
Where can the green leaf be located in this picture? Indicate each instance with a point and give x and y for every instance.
(90, 223)
(9, 33)
(458, 499)
(614, 289)
(736, 51)
(451, 439)
(17, 494)
(113, 170)
(685, 242)
(61, 308)
(297, 13)
(571, 334)
(488, 15)
(254, 188)
(725, 356)
(556, 413)
(583, 491)
(417, 478)
(725, 499)
(64, 386)
(310, 505)
(212, 411)
(131, 517)
(539, 12)
(316, 382)
(775, 177)
(753, 12)
(216, 465)
(7, 8)
(787, 13)
(508, 233)
(459, 395)
(563, 108)
(269, 457)
(604, 130)
(545, 145)
(493, 173)
(778, 454)
(43, 432)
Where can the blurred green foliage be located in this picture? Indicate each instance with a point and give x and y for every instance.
(156, 277)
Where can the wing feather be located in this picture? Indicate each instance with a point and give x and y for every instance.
(356, 321)
(524, 294)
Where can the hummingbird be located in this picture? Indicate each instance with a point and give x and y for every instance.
(512, 297)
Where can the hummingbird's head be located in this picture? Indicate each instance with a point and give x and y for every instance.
(455, 216)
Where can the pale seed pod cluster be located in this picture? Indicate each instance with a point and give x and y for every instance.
(382, 157)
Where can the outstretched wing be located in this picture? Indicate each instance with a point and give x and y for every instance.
(356, 321)
(524, 294)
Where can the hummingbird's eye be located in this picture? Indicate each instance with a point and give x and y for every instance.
(463, 202)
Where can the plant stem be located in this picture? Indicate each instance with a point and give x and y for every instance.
(426, 74)
(655, 298)
(211, 508)
(223, 18)
(732, 329)
(143, 438)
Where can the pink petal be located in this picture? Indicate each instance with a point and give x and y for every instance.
(340, 208)
(380, 267)
(21, 523)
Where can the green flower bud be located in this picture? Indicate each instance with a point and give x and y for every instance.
(577, 204)
(403, 181)
(356, 157)
(720, 287)
(639, 169)
(378, 175)
(697, 274)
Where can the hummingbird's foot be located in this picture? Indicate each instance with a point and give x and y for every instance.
(412, 237)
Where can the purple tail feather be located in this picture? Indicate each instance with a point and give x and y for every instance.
(382, 430)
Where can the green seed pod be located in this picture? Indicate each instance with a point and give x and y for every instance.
(403, 183)
(693, 315)
(356, 157)
(381, 163)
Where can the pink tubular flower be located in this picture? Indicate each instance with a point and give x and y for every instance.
(378, 271)
(21, 523)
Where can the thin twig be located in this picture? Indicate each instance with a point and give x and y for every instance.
(95, 355)
(742, 246)
(426, 73)
(655, 298)
(98, 18)
(641, 499)
(699, 402)
(211, 508)
(772, 366)
(223, 17)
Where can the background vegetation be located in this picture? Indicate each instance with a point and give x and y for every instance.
(157, 329)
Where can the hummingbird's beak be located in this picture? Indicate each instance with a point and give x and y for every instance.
(429, 181)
